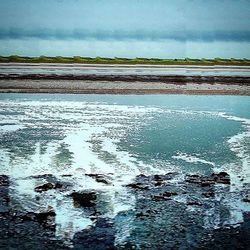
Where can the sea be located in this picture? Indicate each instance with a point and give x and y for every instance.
(119, 136)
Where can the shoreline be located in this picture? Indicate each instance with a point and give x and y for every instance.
(157, 197)
(122, 79)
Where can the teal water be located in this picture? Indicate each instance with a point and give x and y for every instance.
(119, 135)
(189, 133)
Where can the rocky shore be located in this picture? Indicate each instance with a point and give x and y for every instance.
(171, 211)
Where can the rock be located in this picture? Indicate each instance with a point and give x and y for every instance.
(205, 181)
(246, 199)
(4, 180)
(84, 199)
(48, 186)
(141, 215)
(158, 177)
(209, 194)
(159, 183)
(44, 187)
(163, 196)
(138, 186)
(193, 179)
(169, 194)
(58, 185)
(47, 218)
(99, 236)
(221, 177)
(158, 198)
(100, 178)
(4, 194)
(192, 203)
(67, 175)
(42, 176)
(159, 180)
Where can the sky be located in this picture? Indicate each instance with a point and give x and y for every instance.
(126, 28)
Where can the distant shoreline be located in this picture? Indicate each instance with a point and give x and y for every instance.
(111, 65)
(124, 61)
(124, 79)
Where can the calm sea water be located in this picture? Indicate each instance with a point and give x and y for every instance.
(119, 135)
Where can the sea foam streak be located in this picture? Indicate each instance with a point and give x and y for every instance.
(192, 159)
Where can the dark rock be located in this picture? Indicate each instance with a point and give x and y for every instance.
(164, 196)
(141, 215)
(100, 236)
(159, 183)
(66, 175)
(221, 177)
(44, 187)
(84, 199)
(58, 185)
(48, 186)
(169, 194)
(4, 193)
(209, 194)
(44, 216)
(158, 198)
(192, 203)
(141, 176)
(160, 180)
(43, 176)
(47, 218)
(246, 199)
(205, 181)
(137, 186)
(100, 178)
(158, 177)
(4, 180)
(193, 179)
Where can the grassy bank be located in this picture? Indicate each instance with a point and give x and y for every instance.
(117, 60)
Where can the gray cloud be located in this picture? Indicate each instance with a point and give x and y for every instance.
(102, 35)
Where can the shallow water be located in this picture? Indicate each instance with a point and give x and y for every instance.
(121, 137)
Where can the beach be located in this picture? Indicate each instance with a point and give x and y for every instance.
(124, 79)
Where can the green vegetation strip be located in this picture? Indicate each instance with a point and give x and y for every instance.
(117, 60)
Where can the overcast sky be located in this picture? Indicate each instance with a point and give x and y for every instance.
(126, 28)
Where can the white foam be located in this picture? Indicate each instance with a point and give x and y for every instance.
(239, 144)
(85, 123)
(192, 159)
